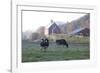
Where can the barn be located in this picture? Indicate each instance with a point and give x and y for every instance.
(81, 31)
(54, 28)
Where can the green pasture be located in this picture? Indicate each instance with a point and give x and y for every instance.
(31, 52)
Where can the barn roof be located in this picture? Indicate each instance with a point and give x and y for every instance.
(57, 23)
(76, 31)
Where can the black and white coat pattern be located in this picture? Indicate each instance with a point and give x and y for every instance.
(44, 44)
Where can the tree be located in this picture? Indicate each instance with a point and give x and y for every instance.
(41, 31)
(35, 36)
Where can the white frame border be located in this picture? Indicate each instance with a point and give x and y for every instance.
(41, 66)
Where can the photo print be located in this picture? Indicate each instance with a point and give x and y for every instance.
(55, 36)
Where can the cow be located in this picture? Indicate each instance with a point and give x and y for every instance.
(44, 44)
(62, 42)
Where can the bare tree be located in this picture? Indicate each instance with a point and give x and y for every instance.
(35, 36)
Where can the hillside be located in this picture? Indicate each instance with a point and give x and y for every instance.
(83, 22)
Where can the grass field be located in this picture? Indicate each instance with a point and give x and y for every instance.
(31, 52)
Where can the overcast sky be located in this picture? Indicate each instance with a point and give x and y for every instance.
(33, 20)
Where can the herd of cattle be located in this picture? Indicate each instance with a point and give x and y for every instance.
(45, 43)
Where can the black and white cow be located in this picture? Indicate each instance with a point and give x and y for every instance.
(44, 44)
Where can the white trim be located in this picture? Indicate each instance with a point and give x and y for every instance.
(18, 66)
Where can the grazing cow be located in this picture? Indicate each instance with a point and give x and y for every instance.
(62, 42)
(44, 44)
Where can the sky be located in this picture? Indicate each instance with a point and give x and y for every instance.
(33, 20)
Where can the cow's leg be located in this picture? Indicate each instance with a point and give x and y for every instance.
(41, 48)
(67, 45)
(45, 49)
